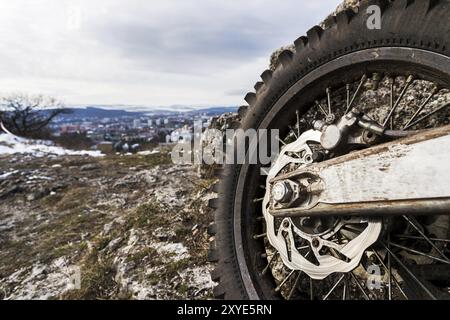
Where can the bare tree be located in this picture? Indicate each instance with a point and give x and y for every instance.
(27, 115)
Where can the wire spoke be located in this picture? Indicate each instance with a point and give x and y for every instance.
(423, 105)
(418, 252)
(277, 289)
(321, 108)
(397, 259)
(334, 287)
(392, 84)
(298, 276)
(404, 236)
(388, 269)
(344, 290)
(358, 90)
(366, 296)
(427, 116)
(347, 88)
(409, 80)
(291, 292)
(282, 142)
(298, 122)
(412, 222)
(329, 100)
(259, 236)
(293, 132)
(272, 260)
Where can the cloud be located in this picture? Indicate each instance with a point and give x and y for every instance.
(146, 52)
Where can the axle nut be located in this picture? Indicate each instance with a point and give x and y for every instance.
(281, 192)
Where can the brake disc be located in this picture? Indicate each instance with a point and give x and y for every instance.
(331, 254)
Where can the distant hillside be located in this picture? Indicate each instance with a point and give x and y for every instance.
(214, 110)
(93, 112)
(97, 112)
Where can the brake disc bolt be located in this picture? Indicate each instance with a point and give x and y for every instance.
(315, 242)
(308, 158)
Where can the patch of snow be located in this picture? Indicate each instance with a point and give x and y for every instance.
(10, 144)
(8, 174)
(41, 282)
(177, 251)
(37, 177)
(148, 152)
(199, 278)
(169, 196)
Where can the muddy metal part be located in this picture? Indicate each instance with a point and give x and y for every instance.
(406, 176)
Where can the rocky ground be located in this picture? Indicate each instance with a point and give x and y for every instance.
(114, 227)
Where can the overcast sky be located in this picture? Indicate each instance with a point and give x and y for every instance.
(141, 52)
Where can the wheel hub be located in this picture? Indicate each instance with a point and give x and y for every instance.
(315, 225)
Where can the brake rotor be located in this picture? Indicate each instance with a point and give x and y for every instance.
(330, 254)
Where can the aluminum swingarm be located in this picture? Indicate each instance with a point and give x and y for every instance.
(407, 176)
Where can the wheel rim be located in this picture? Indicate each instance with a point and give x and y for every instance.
(248, 249)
